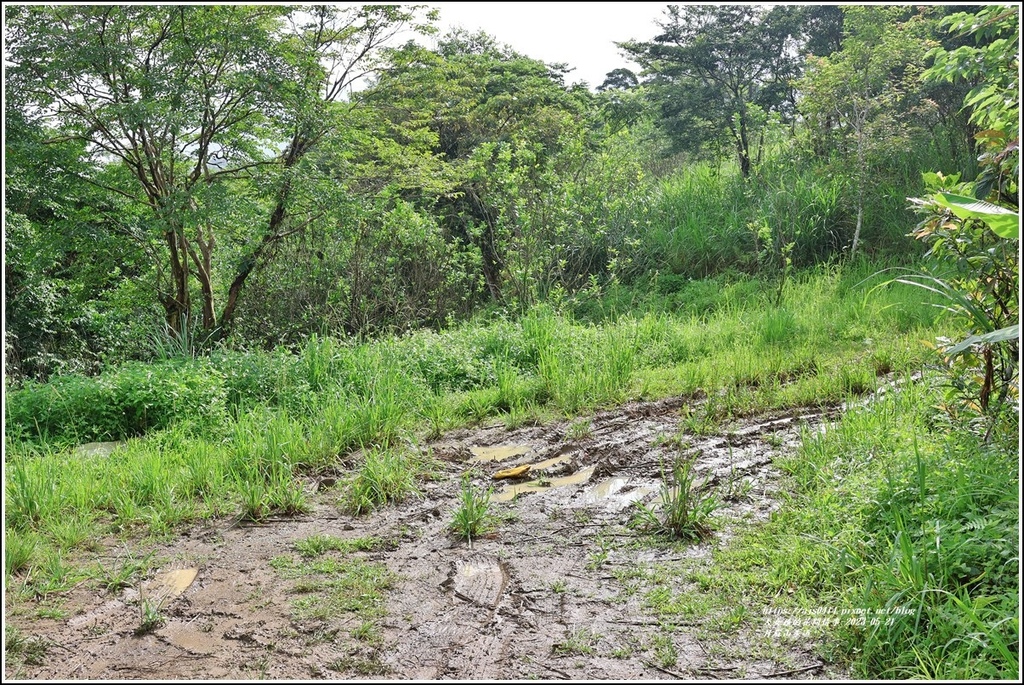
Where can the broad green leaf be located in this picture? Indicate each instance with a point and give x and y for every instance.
(1001, 335)
(1004, 222)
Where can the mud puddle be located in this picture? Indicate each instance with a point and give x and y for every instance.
(549, 593)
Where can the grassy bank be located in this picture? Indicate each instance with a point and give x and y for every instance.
(233, 433)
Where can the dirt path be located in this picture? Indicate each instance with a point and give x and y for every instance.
(561, 589)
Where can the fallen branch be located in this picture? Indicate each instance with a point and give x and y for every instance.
(779, 674)
(716, 668)
(680, 676)
(564, 675)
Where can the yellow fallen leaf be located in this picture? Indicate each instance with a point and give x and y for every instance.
(513, 472)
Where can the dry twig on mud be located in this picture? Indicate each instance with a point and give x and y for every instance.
(779, 674)
(680, 676)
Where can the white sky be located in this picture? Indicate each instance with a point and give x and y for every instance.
(580, 34)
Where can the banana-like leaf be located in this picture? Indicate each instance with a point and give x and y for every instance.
(1003, 222)
(1008, 333)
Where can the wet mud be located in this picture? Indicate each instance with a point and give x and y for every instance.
(541, 595)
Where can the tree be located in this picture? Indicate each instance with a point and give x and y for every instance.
(871, 90)
(66, 276)
(495, 123)
(990, 65)
(714, 66)
(202, 116)
(977, 238)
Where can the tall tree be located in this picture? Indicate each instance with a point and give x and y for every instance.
(714, 65)
(202, 115)
(871, 90)
(495, 122)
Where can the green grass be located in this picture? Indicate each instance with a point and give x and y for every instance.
(320, 544)
(906, 529)
(285, 415)
(577, 642)
(28, 650)
(359, 408)
(385, 475)
(472, 516)
(330, 586)
(686, 507)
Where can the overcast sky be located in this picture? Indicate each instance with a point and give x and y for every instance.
(580, 34)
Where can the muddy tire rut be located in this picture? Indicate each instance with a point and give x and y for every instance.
(547, 594)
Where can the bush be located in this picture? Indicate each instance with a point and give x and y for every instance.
(123, 403)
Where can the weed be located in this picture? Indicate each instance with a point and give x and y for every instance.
(32, 650)
(578, 641)
(72, 532)
(438, 415)
(579, 430)
(367, 632)
(53, 611)
(150, 616)
(471, 517)
(582, 516)
(53, 575)
(19, 551)
(332, 586)
(738, 488)
(622, 652)
(559, 586)
(599, 556)
(732, 619)
(371, 666)
(664, 650)
(255, 499)
(386, 475)
(686, 506)
(319, 544)
(120, 574)
(704, 421)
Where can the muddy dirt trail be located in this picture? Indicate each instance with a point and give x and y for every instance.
(555, 591)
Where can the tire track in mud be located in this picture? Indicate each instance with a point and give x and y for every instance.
(542, 596)
(561, 582)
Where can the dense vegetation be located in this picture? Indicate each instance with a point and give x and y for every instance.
(253, 240)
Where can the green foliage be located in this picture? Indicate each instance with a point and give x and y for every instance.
(717, 70)
(932, 555)
(686, 506)
(976, 240)
(230, 103)
(471, 517)
(126, 402)
(870, 93)
(385, 475)
(989, 64)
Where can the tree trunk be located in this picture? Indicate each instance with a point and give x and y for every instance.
(488, 250)
(861, 180)
(275, 225)
(177, 303)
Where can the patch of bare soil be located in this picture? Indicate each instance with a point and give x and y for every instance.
(544, 595)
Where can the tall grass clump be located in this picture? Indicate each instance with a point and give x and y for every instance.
(921, 539)
(695, 225)
(472, 516)
(686, 506)
(385, 475)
